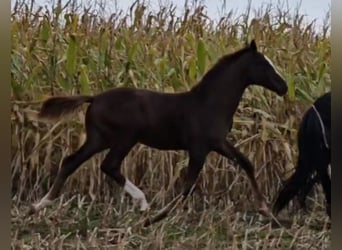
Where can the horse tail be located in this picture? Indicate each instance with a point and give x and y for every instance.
(301, 179)
(56, 107)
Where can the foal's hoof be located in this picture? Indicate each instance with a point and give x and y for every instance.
(32, 210)
(147, 222)
(144, 207)
(265, 211)
(145, 212)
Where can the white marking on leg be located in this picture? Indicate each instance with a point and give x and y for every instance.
(136, 194)
(273, 66)
(45, 201)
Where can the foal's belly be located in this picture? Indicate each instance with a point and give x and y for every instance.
(164, 140)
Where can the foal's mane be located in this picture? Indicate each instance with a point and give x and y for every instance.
(220, 65)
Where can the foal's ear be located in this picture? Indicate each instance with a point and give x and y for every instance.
(253, 45)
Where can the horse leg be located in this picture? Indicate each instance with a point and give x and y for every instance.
(306, 190)
(93, 144)
(111, 166)
(197, 157)
(326, 183)
(229, 151)
(69, 165)
(196, 161)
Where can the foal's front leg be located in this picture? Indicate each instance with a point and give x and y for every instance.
(228, 150)
(197, 157)
(196, 160)
(111, 166)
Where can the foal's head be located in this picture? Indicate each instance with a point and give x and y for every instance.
(261, 71)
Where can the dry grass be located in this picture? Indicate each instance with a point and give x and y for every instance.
(74, 50)
(76, 222)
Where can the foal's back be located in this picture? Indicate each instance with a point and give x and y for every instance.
(152, 118)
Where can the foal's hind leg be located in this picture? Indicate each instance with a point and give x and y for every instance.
(306, 190)
(326, 183)
(69, 166)
(111, 166)
(229, 151)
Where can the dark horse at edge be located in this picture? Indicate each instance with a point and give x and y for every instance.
(196, 121)
(314, 154)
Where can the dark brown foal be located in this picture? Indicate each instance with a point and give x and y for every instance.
(196, 121)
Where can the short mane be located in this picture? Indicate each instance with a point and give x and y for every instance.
(221, 64)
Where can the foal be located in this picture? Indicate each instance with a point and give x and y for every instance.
(314, 156)
(196, 121)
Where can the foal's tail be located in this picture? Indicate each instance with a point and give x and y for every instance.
(301, 179)
(56, 107)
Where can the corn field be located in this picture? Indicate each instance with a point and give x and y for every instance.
(74, 49)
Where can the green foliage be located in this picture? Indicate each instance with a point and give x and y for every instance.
(155, 51)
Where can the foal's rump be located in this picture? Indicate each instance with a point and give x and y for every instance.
(160, 116)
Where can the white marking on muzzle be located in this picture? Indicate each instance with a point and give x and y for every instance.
(136, 194)
(273, 66)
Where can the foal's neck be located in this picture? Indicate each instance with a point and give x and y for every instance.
(222, 87)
